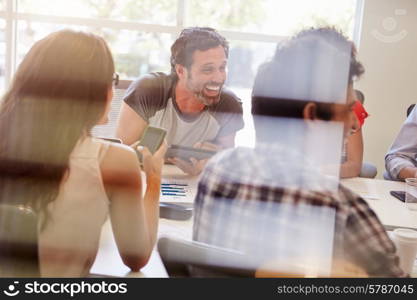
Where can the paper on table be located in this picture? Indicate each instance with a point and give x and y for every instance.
(176, 190)
(362, 189)
(369, 196)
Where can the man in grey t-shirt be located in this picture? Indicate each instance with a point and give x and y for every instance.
(190, 103)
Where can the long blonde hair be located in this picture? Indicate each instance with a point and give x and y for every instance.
(58, 94)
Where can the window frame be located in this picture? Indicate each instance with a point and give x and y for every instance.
(12, 17)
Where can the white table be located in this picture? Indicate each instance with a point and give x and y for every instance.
(392, 213)
(173, 228)
(108, 261)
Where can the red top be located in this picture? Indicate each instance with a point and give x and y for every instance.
(360, 112)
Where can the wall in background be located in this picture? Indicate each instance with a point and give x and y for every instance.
(388, 50)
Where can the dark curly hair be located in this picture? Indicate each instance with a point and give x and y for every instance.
(192, 39)
(334, 37)
(58, 94)
(295, 70)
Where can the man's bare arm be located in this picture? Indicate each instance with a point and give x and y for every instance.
(407, 172)
(354, 156)
(130, 126)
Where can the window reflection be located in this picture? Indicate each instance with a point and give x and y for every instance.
(135, 52)
(142, 11)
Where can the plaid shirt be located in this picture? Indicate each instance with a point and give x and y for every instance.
(236, 181)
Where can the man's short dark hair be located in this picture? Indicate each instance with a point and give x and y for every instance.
(334, 36)
(192, 39)
(277, 77)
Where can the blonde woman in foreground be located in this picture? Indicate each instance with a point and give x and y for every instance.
(49, 162)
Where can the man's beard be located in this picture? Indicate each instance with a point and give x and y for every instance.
(207, 100)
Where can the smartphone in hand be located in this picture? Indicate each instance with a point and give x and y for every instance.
(152, 139)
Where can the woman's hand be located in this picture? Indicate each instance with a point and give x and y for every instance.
(192, 167)
(152, 164)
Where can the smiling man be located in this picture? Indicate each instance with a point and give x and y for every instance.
(191, 103)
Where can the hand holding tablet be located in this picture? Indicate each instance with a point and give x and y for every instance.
(191, 160)
(186, 153)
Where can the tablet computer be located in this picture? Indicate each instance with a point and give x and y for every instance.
(185, 153)
(400, 195)
(113, 140)
(176, 210)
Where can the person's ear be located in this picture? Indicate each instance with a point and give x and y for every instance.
(181, 71)
(105, 118)
(310, 111)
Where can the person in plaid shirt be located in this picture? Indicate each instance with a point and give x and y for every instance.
(272, 202)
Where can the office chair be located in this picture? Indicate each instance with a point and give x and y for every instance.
(368, 170)
(109, 130)
(184, 258)
(18, 242)
(410, 109)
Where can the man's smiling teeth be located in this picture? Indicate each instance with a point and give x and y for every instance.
(213, 88)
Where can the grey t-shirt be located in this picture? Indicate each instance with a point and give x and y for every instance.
(153, 97)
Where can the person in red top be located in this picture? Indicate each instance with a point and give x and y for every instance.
(353, 148)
